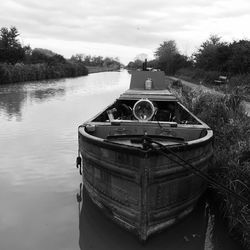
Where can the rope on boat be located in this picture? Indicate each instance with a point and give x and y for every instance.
(79, 160)
(190, 167)
(79, 164)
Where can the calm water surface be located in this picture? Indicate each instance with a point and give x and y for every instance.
(39, 181)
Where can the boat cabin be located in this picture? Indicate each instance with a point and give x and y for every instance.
(147, 107)
(147, 100)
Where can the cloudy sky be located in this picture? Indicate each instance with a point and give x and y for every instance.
(124, 28)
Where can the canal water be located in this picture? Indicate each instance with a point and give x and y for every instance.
(39, 182)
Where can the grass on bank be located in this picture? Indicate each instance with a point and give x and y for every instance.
(231, 162)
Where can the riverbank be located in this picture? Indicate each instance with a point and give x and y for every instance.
(20, 72)
(230, 166)
(235, 83)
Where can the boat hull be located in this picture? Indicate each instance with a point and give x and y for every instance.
(143, 191)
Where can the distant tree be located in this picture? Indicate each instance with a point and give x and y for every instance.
(181, 61)
(27, 54)
(87, 60)
(168, 57)
(111, 62)
(108, 62)
(56, 59)
(97, 61)
(39, 55)
(11, 50)
(239, 62)
(77, 58)
(130, 65)
(46, 52)
(9, 37)
(153, 64)
(167, 48)
(233, 58)
(224, 52)
(137, 64)
(210, 54)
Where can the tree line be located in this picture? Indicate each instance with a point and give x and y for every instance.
(167, 58)
(97, 61)
(213, 57)
(20, 63)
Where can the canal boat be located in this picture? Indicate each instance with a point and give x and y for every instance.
(142, 157)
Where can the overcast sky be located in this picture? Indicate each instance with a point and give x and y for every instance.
(124, 28)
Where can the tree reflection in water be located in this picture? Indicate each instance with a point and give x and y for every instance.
(13, 97)
(11, 102)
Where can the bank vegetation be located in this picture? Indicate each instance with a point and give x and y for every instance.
(231, 163)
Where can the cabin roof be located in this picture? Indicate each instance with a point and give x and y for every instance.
(138, 79)
(157, 95)
(157, 92)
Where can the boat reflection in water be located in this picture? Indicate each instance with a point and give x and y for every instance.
(98, 232)
(202, 229)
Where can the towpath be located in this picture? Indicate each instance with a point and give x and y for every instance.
(193, 86)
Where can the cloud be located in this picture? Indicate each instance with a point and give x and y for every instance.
(128, 24)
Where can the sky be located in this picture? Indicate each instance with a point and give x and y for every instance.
(124, 28)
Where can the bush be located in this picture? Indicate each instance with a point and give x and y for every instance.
(198, 75)
(40, 71)
(177, 84)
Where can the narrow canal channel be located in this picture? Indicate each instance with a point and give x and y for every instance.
(39, 181)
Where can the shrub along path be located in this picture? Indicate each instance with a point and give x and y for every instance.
(206, 89)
